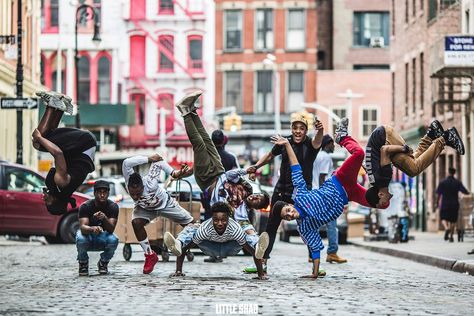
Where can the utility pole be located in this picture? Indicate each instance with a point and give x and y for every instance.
(19, 88)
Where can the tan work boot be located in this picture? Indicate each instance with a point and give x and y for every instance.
(333, 257)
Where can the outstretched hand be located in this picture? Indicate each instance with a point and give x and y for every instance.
(183, 172)
(318, 125)
(279, 140)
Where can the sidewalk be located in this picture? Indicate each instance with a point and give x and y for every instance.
(427, 248)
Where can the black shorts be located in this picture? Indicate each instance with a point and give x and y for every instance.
(70, 140)
(450, 215)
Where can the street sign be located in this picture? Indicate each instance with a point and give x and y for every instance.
(15, 103)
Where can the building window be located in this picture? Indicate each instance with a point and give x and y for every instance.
(139, 100)
(264, 29)
(264, 92)
(371, 29)
(166, 49)
(233, 30)
(137, 56)
(137, 9)
(166, 7)
(103, 80)
(295, 90)
(233, 90)
(422, 81)
(414, 8)
(97, 4)
(433, 9)
(84, 86)
(341, 112)
(166, 101)
(54, 13)
(195, 53)
(371, 67)
(369, 121)
(54, 73)
(413, 85)
(295, 34)
(50, 15)
(467, 18)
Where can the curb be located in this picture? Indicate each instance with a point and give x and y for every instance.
(443, 263)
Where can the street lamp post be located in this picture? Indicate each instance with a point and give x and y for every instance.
(89, 14)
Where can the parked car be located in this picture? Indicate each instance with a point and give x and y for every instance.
(22, 209)
(118, 191)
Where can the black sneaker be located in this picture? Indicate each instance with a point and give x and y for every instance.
(341, 130)
(435, 130)
(446, 235)
(102, 267)
(84, 268)
(453, 140)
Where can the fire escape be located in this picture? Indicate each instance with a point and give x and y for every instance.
(193, 68)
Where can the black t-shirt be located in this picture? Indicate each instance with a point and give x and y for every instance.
(449, 189)
(228, 160)
(305, 153)
(379, 176)
(89, 208)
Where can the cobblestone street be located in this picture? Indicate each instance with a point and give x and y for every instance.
(43, 280)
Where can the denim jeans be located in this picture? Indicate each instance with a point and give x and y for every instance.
(105, 242)
(332, 233)
(210, 248)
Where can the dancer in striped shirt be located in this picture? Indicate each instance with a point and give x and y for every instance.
(315, 208)
(219, 236)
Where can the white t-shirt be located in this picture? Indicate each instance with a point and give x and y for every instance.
(207, 232)
(154, 197)
(322, 164)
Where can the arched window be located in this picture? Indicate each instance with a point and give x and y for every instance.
(195, 52)
(103, 80)
(166, 49)
(137, 56)
(83, 87)
(138, 99)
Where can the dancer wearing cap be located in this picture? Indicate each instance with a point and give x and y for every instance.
(97, 220)
(315, 208)
(386, 147)
(306, 150)
(72, 149)
(214, 181)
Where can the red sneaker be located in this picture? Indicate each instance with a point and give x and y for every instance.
(150, 260)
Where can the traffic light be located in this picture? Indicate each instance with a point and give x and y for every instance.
(232, 122)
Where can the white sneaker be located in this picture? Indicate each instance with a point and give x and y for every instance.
(52, 100)
(262, 245)
(173, 244)
(186, 104)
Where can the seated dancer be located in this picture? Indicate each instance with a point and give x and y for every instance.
(386, 147)
(315, 208)
(72, 149)
(151, 200)
(219, 236)
(215, 183)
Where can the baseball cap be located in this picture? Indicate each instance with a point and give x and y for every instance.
(299, 118)
(101, 184)
(326, 140)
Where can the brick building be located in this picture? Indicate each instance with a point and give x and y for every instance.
(426, 88)
(246, 31)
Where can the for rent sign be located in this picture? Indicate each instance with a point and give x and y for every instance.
(459, 51)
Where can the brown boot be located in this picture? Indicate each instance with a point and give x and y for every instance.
(333, 257)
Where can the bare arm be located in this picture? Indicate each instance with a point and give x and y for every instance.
(322, 178)
(108, 223)
(86, 229)
(180, 259)
(318, 136)
(265, 159)
(278, 140)
(258, 263)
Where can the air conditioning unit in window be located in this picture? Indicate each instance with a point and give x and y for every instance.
(377, 41)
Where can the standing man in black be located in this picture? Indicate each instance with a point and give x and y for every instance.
(306, 150)
(448, 191)
(97, 220)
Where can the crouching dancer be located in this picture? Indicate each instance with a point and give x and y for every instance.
(315, 208)
(219, 236)
(152, 201)
(72, 149)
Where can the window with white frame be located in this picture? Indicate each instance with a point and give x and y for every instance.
(339, 111)
(233, 90)
(295, 90)
(264, 92)
(233, 30)
(369, 121)
(295, 33)
(371, 29)
(264, 36)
